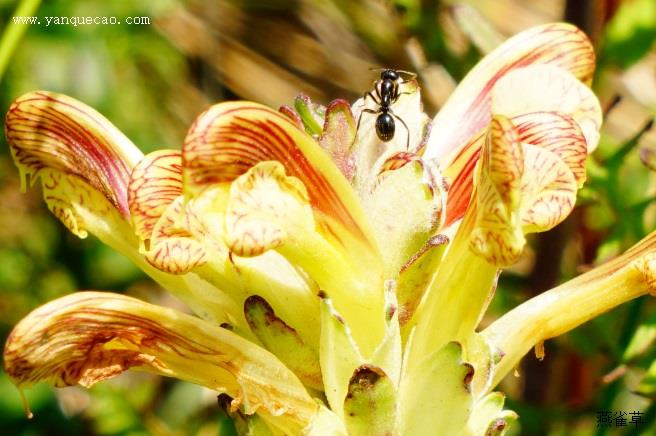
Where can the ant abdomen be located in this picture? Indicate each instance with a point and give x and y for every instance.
(385, 127)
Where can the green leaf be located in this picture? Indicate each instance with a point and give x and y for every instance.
(642, 339)
(631, 32)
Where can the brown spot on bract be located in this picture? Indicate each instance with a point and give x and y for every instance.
(469, 376)
(255, 305)
(365, 377)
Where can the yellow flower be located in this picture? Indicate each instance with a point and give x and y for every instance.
(317, 258)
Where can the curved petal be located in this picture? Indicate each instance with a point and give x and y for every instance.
(229, 138)
(550, 89)
(87, 337)
(189, 237)
(571, 304)
(266, 208)
(497, 235)
(520, 188)
(468, 109)
(49, 131)
(548, 191)
(155, 183)
(559, 133)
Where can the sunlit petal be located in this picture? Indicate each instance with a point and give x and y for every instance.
(84, 164)
(557, 132)
(549, 89)
(266, 208)
(565, 307)
(87, 337)
(548, 191)
(49, 131)
(468, 109)
(550, 109)
(497, 235)
(230, 138)
(155, 183)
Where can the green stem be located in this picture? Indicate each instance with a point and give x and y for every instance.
(14, 32)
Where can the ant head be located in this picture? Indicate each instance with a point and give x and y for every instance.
(389, 75)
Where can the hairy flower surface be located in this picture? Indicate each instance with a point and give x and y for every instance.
(337, 281)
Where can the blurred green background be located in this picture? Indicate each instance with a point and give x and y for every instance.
(152, 80)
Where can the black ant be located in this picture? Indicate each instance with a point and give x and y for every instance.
(387, 93)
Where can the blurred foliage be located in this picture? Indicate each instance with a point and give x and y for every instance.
(152, 80)
(631, 34)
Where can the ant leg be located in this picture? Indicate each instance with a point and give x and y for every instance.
(405, 93)
(407, 142)
(357, 126)
(364, 97)
(409, 76)
(373, 97)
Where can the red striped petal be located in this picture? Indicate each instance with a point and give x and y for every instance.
(47, 130)
(468, 109)
(155, 183)
(230, 138)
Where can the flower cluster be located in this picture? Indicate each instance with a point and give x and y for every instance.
(337, 281)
